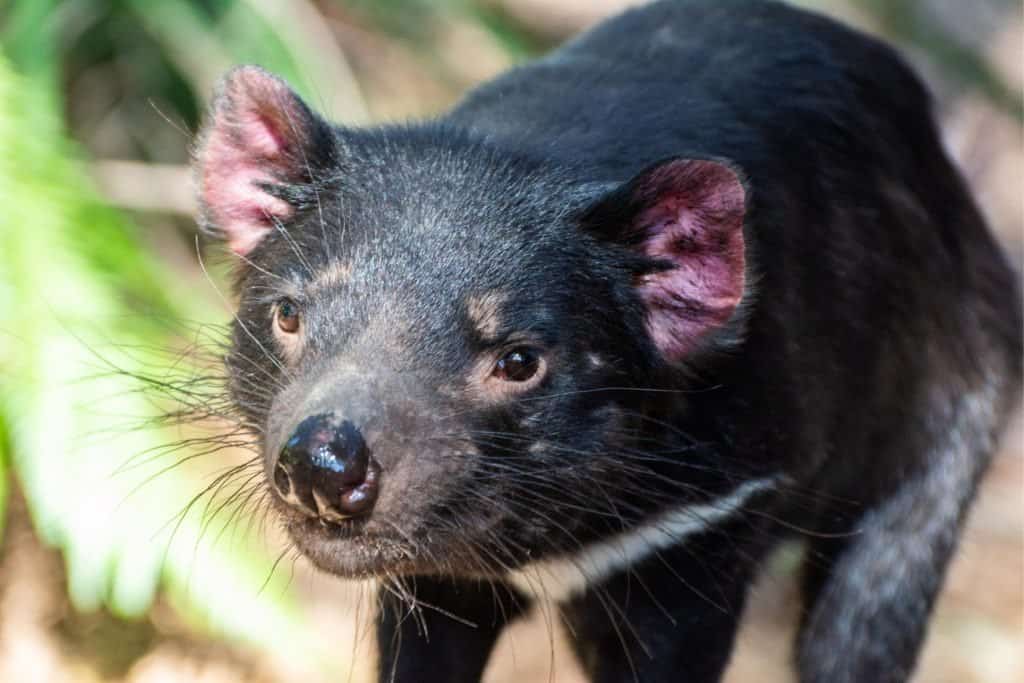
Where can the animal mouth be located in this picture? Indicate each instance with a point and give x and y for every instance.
(348, 548)
(363, 548)
(341, 528)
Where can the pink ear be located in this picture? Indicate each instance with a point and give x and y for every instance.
(259, 136)
(688, 215)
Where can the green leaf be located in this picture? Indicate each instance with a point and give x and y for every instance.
(67, 263)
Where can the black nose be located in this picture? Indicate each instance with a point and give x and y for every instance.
(325, 469)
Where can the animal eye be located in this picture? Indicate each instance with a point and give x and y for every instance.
(287, 316)
(517, 365)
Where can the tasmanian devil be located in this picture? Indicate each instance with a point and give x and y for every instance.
(613, 327)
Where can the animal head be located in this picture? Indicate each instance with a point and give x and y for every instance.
(454, 356)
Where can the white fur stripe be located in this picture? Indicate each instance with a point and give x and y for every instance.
(560, 578)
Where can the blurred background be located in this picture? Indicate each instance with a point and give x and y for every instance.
(133, 548)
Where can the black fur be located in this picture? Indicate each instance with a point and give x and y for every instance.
(870, 367)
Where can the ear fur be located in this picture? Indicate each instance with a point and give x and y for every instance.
(685, 216)
(260, 139)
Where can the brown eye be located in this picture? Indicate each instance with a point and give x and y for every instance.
(287, 316)
(517, 365)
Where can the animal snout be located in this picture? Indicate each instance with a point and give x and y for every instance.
(325, 469)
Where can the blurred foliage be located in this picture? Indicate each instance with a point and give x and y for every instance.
(81, 79)
(74, 275)
(908, 23)
(80, 293)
